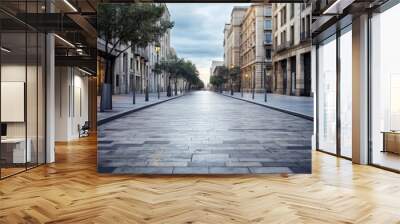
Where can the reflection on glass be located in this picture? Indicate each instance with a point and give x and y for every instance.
(31, 97)
(14, 153)
(385, 84)
(327, 96)
(346, 94)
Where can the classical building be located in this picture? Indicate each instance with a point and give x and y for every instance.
(232, 32)
(255, 47)
(232, 37)
(214, 64)
(292, 49)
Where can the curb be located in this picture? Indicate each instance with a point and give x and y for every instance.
(123, 113)
(297, 114)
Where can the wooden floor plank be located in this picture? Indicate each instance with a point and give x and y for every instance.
(71, 191)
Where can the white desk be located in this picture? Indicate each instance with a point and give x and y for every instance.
(19, 154)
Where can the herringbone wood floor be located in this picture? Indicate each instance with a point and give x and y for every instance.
(71, 191)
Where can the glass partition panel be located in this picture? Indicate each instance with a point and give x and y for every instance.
(327, 95)
(14, 153)
(385, 89)
(346, 93)
(41, 99)
(31, 98)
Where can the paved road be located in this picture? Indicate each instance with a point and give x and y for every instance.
(298, 104)
(204, 132)
(122, 103)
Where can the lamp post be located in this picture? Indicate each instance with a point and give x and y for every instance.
(231, 79)
(242, 82)
(246, 78)
(254, 83)
(146, 92)
(265, 82)
(157, 48)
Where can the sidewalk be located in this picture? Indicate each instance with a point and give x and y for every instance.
(122, 105)
(297, 105)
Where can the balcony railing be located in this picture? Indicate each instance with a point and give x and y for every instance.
(267, 42)
(283, 46)
(305, 36)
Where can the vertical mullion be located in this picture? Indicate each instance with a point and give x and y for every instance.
(45, 86)
(37, 89)
(26, 85)
(369, 100)
(1, 53)
(338, 98)
(317, 97)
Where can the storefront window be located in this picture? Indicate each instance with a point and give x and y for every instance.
(385, 89)
(327, 95)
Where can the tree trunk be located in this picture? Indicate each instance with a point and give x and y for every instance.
(176, 86)
(134, 89)
(169, 93)
(106, 88)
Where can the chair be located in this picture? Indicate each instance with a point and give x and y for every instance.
(84, 130)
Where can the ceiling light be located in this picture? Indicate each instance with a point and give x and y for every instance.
(84, 71)
(64, 40)
(70, 5)
(338, 6)
(5, 50)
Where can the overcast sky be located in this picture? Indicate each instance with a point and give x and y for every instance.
(198, 32)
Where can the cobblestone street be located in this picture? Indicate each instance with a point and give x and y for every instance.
(205, 133)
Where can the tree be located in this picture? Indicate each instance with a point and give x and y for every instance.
(221, 76)
(181, 68)
(217, 81)
(234, 74)
(170, 65)
(131, 25)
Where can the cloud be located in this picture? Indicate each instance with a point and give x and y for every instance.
(198, 32)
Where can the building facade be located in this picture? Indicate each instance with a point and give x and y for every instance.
(232, 37)
(292, 49)
(214, 65)
(255, 47)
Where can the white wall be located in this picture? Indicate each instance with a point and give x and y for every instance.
(71, 102)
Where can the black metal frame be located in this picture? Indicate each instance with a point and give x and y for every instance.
(44, 80)
(337, 34)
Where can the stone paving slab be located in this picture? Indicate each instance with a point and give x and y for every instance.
(205, 133)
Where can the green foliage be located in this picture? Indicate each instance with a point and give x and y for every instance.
(217, 80)
(135, 25)
(234, 73)
(181, 68)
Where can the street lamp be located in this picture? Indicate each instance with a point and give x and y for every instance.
(146, 91)
(147, 86)
(158, 48)
(265, 81)
(232, 80)
(246, 78)
(254, 82)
